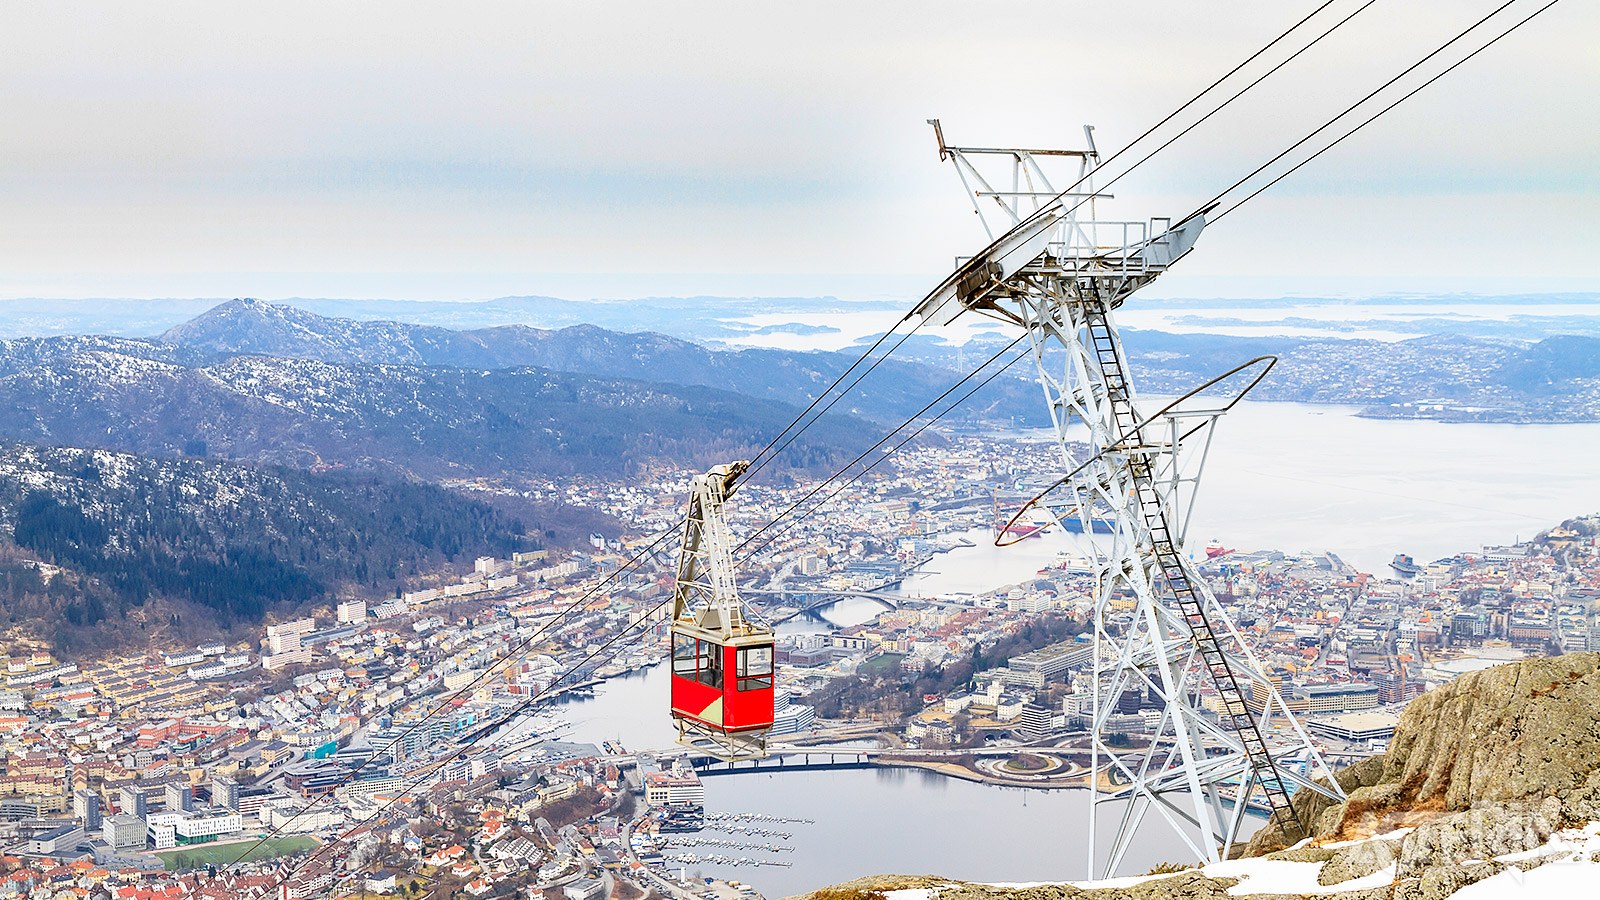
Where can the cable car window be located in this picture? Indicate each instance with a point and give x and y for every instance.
(684, 661)
(755, 667)
(711, 664)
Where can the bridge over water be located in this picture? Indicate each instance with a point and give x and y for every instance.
(800, 759)
(805, 760)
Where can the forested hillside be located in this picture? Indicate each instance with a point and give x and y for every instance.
(198, 547)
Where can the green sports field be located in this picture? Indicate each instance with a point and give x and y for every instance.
(881, 664)
(221, 854)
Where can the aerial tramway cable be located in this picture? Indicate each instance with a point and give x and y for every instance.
(757, 466)
(582, 599)
(869, 467)
(764, 452)
(576, 604)
(965, 270)
(757, 463)
(880, 442)
(768, 452)
(1212, 203)
(1407, 96)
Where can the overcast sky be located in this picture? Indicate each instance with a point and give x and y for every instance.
(464, 150)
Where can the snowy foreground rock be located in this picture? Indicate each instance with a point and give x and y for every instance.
(1566, 864)
(1461, 857)
(1491, 788)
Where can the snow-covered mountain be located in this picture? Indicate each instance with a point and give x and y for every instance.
(897, 388)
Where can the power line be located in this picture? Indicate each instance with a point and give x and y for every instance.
(1413, 92)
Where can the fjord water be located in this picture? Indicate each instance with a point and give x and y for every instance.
(1313, 477)
(1294, 476)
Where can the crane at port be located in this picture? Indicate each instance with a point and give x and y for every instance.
(1058, 271)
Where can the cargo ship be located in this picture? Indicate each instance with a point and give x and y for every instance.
(1074, 525)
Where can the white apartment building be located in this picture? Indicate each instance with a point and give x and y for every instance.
(286, 815)
(206, 823)
(283, 644)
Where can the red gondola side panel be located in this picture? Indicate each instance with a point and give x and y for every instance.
(748, 697)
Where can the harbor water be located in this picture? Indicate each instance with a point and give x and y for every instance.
(871, 821)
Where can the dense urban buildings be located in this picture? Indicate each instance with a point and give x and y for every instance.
(357, 720)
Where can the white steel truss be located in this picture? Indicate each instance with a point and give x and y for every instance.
(1059, 272)
(707, 592)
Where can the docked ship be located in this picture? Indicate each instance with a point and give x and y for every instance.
(1405, 565)
(1020, 530)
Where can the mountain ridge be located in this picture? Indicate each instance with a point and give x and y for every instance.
(896, 389)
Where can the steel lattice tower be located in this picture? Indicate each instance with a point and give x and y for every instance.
(1058, 272)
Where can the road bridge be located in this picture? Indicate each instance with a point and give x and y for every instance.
(795, 759)
(806, 760)
(814, 600)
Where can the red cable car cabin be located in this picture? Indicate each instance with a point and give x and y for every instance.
(722, 689)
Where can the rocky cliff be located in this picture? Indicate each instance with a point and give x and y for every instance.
(1513, 735)
(1488, 779)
